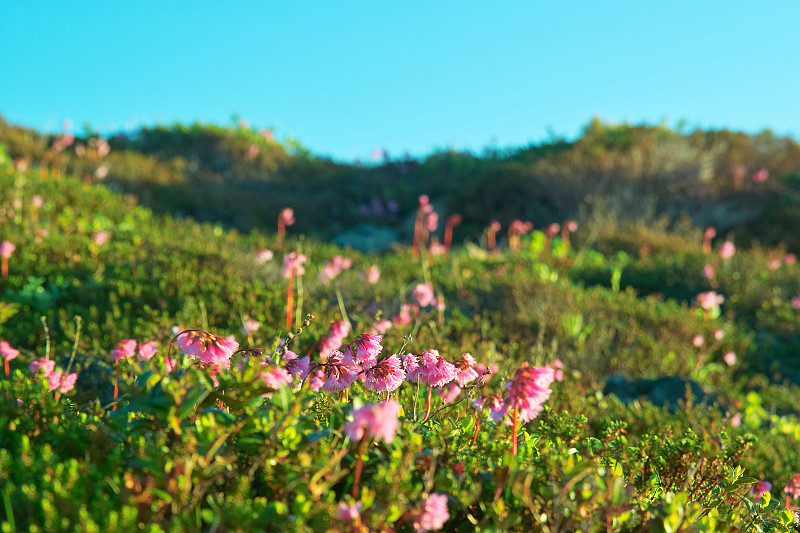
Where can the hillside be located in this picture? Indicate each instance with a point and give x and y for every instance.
(170, 240)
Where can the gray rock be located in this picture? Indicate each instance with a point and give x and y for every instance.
(660, 392)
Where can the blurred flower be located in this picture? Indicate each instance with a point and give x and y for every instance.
(492, 403)
(495, 225)
(558, 370)
(61, 381)
(437, 248)
(275, 378)
(796, 302)
(250, 326)
(760, 487)
(287, 216)
(264, 255)
(727, 250)
(100, 237)
(792, 488)
(433, 513)
(710, 233)
(101, 172)
(296, 365)
(124, 349)
(719, 334)
(450, 392)
(40, 363)
(6, 249)
(377, 420)
(423, 293)
(7, 352)
(790, 259)
(382, 326)
(147, 350)
(373, 274)
(760, 176)
(774, 264)
(708, 271)
(466, 369)
(252, 151)
(432, 221)
(403, 318)
(293, 265)
(552, 230)
(571, 226)
(424, 200)
(337, 332)
(729, 358)
(348, 513)
(698, 340)
(37, 201)
(710, 300)
(736, 420)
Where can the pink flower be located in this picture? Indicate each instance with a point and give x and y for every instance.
(528, 390)
(7, 352)
(48, 365)
(710, 233)
(403, 318)
(719, 334)
(760, 487)
(552, 230)
(147, 350)
(264, 255)
(790, 259)
(373, 274)
(466, 370)
(101, 172)
(287, 215)
(433, 514)
(423, 293)
(710, 300)
(382, 326)
(437, 248)
(296, 365)
(792, 488)
(492, 403)
(424, 200)
(293, 265)
(171, 364)
(433, 370)
(6, 249)
(736, 420)
(348, 513)
(698, 341)
(495, 226)
(37, 201)
(100, 237)
(367, 347)
(124, 349)
(377, 420)
(386, 375)
(341, 371)
(275, 377)
(729, 358)
(727, 250)
(211, 349)
(338, 330)
(250, 326)
(58, 380)
(571, 226)
(796, 302)
(252, 151)
(432, 221)
(267, 135)
(760, 176)
(708, 271)
(317, 379)
(450, 392)
(558, 372)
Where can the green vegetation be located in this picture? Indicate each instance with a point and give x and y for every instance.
(175, 451)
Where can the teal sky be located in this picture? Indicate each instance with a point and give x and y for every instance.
(345, 78)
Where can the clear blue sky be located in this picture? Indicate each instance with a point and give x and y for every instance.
(346, 77)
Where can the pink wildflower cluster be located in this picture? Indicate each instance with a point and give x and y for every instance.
(7, 249)
(423, 294)
(56, 379)
(792, 488)
(430, 368)
(264, 255)
(333, 268)
(516, 230)
(293, 265)
(209, 348)
(710, 300)
(129, 348)
(433, 513)
(760, 487)
(528, 390)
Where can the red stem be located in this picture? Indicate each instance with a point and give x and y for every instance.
(514, 433)
(477, 427)
(359, 464)
(5, 363)
(290, 302)
(448, 236)
(281, 231)
(428, 408)
(5, 267)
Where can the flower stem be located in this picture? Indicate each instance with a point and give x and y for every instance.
(289, 302)
(514, 427)
(428, 408)
(477, 428)
(359, 465)
(5, 363)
